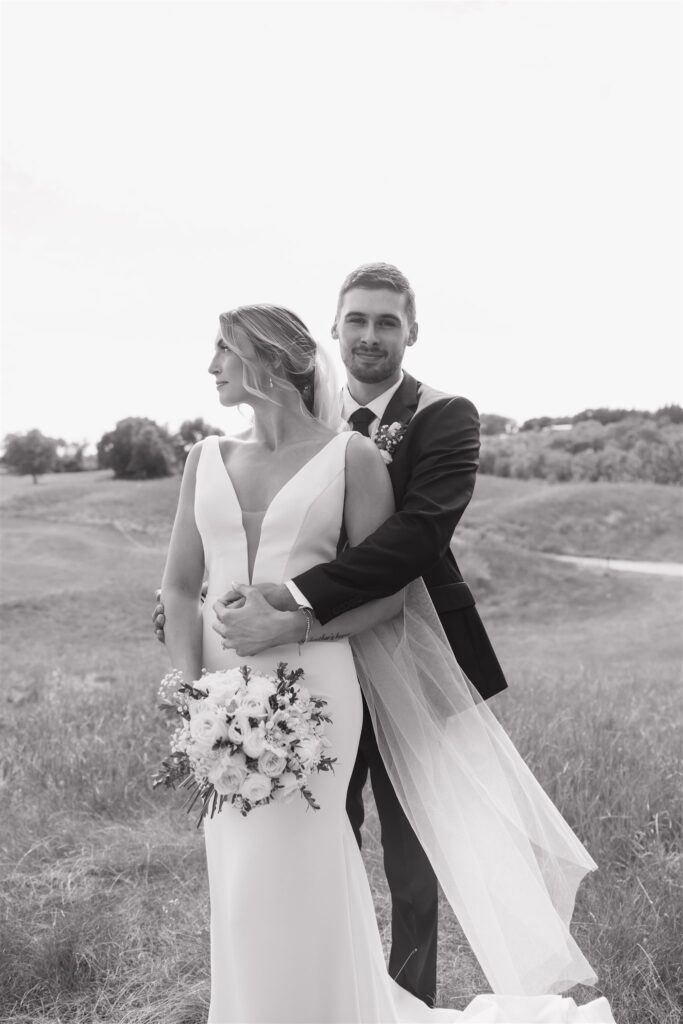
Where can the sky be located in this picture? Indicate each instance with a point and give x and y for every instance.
(521, 162)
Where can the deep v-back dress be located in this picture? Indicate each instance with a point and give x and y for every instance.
(294, 936)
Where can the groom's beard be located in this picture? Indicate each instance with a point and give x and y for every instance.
(370, 366)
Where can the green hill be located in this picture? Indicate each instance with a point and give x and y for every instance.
(626, 520)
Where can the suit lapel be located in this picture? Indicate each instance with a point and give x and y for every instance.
(403, 404)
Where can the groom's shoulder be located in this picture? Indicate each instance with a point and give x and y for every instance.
(440, 403)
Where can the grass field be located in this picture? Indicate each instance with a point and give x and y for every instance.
(103, 899)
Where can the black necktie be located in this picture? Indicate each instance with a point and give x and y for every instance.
(361, 419)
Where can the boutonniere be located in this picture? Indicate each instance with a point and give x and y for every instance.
(388, 438)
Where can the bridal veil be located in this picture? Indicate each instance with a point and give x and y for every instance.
(506, 860)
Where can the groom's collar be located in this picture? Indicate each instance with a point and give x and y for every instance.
(378, 405)
(403, 403)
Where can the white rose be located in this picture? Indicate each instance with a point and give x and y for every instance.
(255, 787)
(207, 725)
(388, 459)
(223, 686)
(253, 707)
(272, 764)
(309, 751)
(237, 729)
(229, 774)
(261, 687)
(254, 742)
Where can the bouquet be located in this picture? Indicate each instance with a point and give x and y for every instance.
(244, 738)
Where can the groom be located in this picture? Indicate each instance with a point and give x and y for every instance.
(434, 460)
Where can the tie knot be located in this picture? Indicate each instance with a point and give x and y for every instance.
(361, 419)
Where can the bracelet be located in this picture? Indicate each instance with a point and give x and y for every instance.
(308, 615)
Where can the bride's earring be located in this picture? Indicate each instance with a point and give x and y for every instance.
(269, 385)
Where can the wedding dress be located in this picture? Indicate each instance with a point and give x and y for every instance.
(294, 936)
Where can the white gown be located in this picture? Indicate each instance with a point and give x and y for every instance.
(294, 936)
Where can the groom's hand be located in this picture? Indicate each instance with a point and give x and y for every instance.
(248, 624)
(276, 594)
(159, 618)
(159, 613)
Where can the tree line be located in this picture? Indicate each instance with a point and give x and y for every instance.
(136, 449)
(596, 444)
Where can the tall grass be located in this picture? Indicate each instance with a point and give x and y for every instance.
(103, 900)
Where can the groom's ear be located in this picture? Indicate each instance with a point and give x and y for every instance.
(412, 334)
(334, 332)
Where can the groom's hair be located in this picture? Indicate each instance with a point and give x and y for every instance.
(380, 275)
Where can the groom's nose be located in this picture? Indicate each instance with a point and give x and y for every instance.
(368, 335)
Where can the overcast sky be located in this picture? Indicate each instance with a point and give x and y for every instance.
(519, 161)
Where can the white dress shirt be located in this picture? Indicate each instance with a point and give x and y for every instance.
(377, 405)
(349, 405)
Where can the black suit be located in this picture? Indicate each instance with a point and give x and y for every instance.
(432, 474)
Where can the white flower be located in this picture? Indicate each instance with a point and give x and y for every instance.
(254, 742)
(261, 687)
(222, 686)
(302, 694)
(272, 764)
(395, 427)
(256, 787)
(229, 774)
(253, 707)
(309, 750)
(386, 456)
(207, 725)
(237, 729)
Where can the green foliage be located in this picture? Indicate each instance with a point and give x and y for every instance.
(633, 447)
(70, 458)
(31, 453)
(492, 424)
(667, 414)
(191, 431)
(137, 449)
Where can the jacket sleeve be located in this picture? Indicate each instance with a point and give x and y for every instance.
(444, 456)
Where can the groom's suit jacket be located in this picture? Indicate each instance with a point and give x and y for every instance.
(432, 474)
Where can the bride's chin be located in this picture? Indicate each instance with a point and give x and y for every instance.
(228, 401)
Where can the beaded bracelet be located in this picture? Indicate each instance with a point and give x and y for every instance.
(308, 615)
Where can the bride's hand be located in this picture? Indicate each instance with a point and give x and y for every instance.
(255, 625)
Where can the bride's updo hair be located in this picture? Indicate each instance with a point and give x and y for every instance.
(285, 351)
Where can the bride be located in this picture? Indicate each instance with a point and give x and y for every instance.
(293, 931)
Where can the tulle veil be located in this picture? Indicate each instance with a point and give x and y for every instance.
(507, 861)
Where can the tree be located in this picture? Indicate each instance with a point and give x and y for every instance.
(69, 457)
(493, 424)
(137, 449)
(191, 431)
(32, 453)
